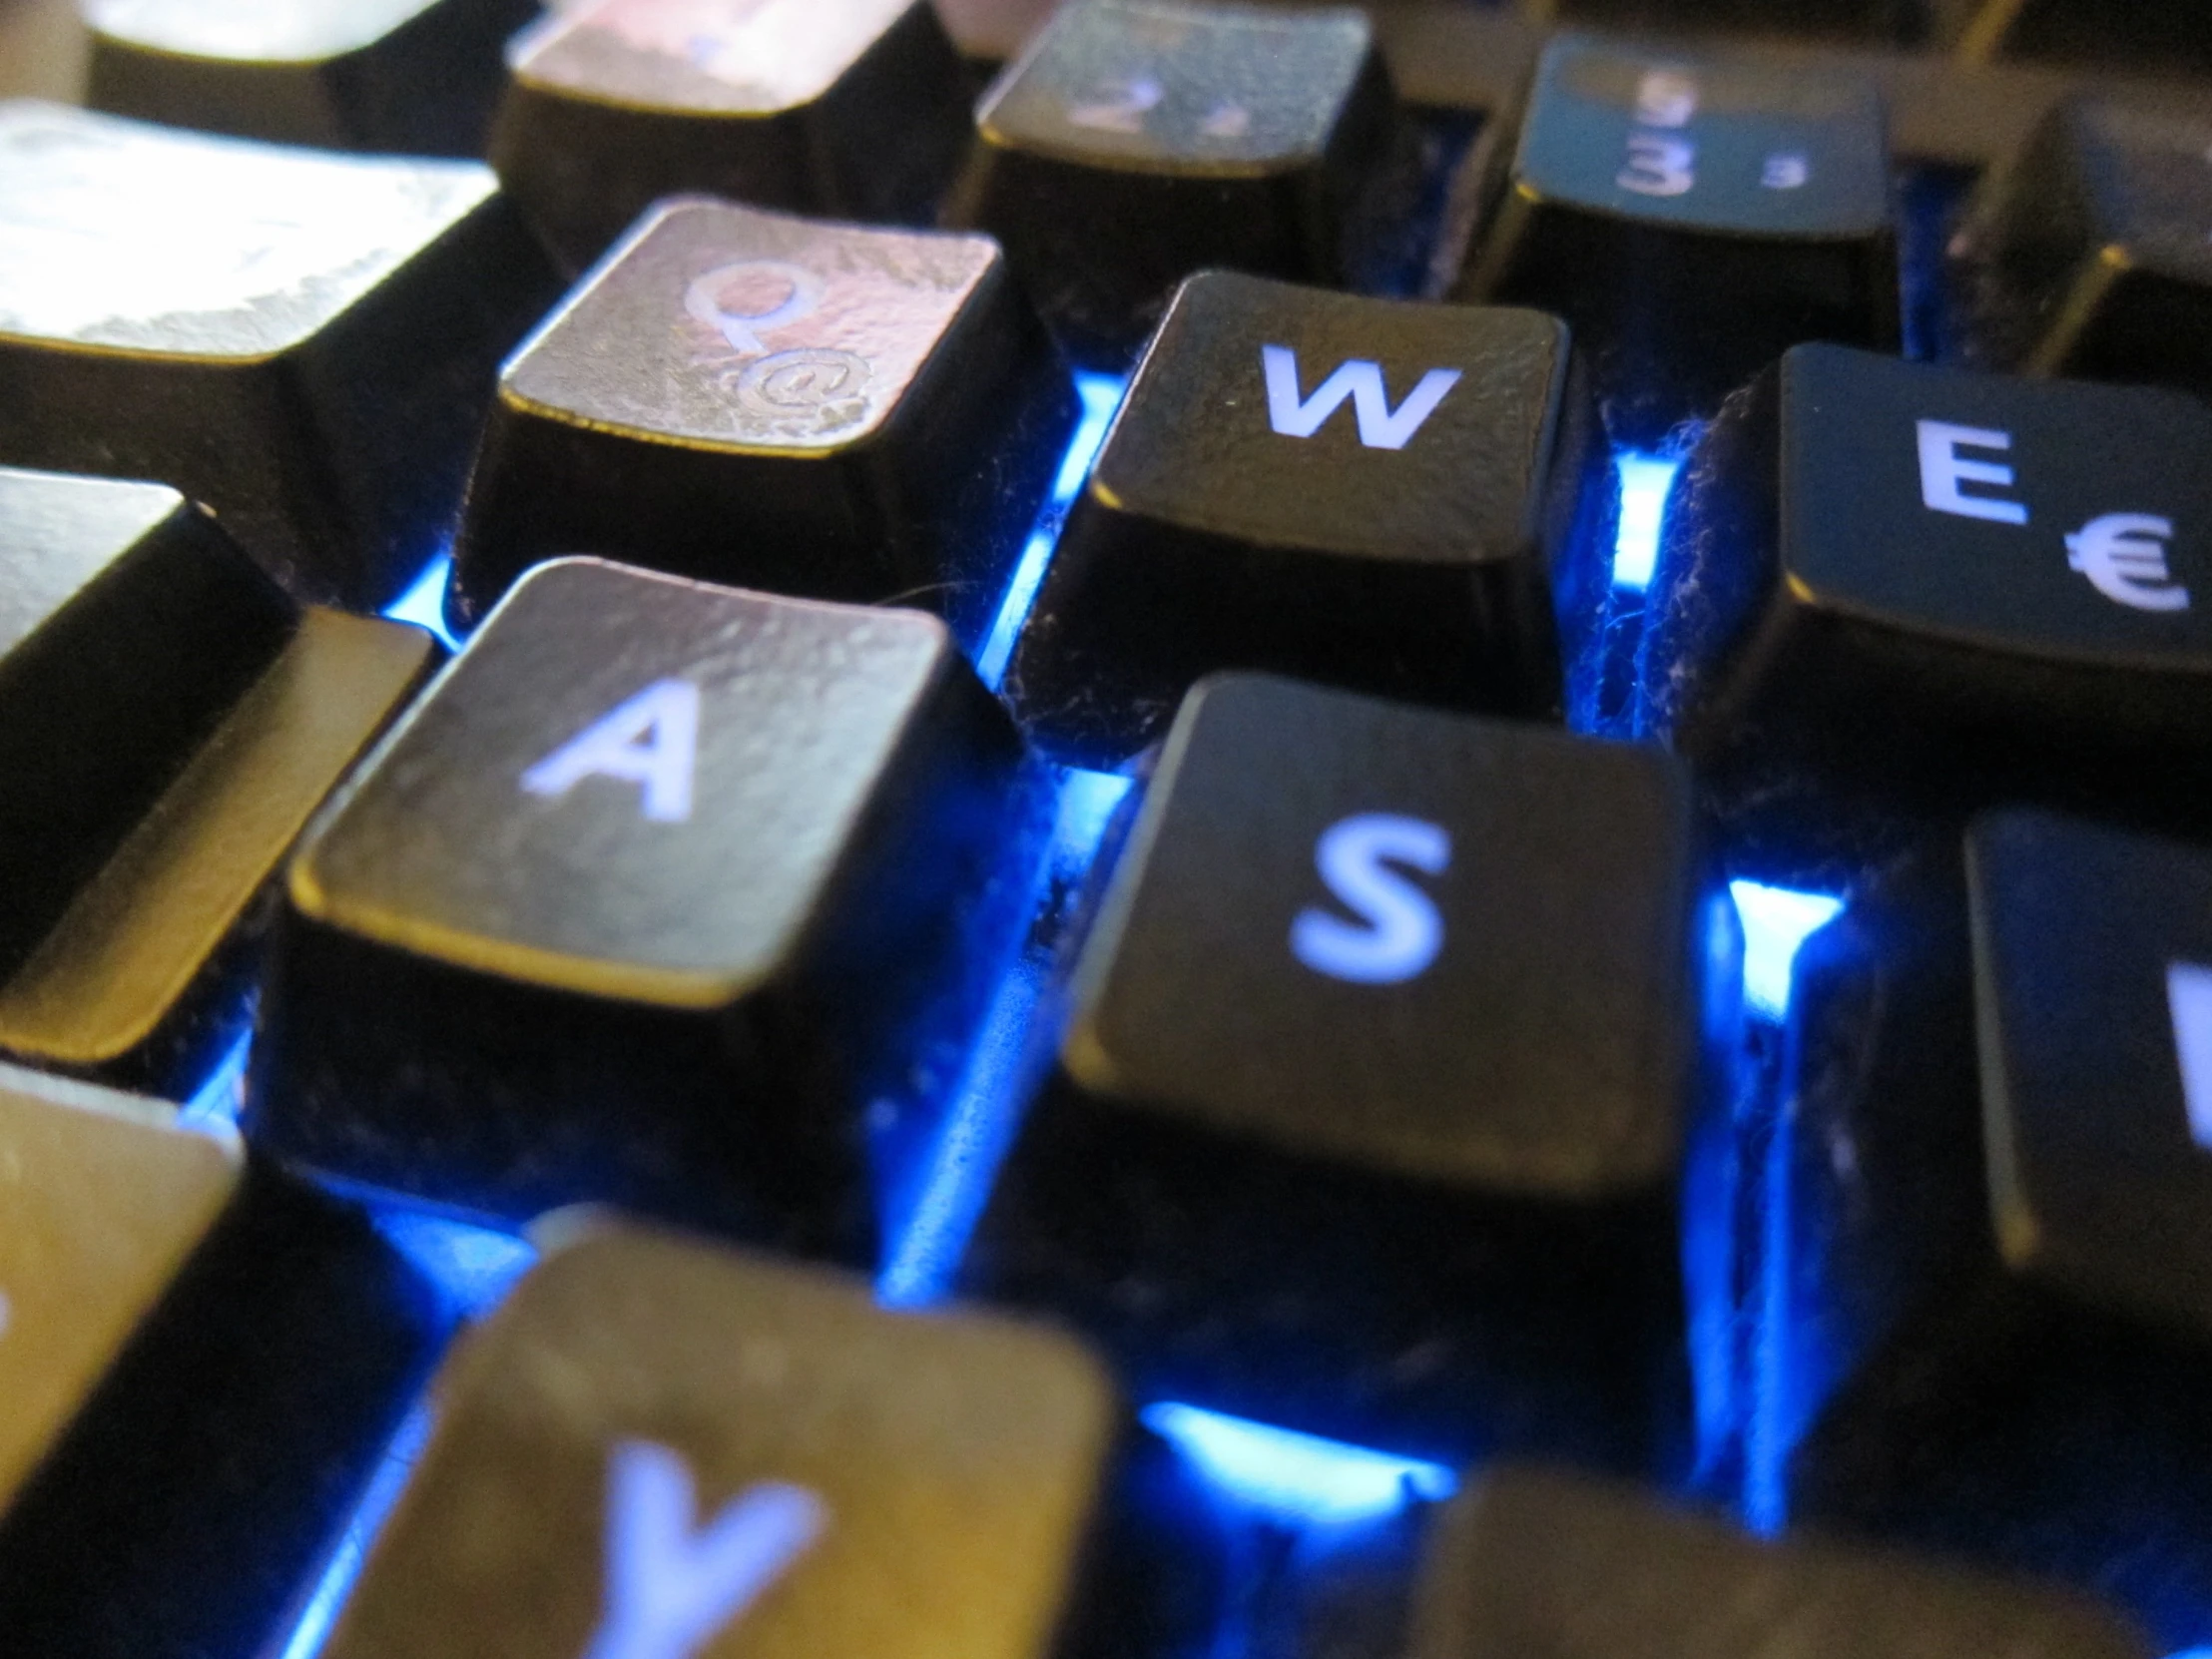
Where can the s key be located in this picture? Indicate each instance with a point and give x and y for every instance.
(1690, 220)
(753, 398)
(658, 1449)
(1955, 582)
(635, 905)
(1133, 142)
(1368, 1111)
(304, 342)
(394, 75)
(1366, 491)
(857, 109)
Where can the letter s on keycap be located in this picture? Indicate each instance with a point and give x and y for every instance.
(1402, 930)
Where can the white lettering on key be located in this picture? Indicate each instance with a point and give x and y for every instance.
(1360, 380)
(2124, 557)
(1659, 165)
(1400, 930)
(1665, 98)
(706, 300)
(670, 1588)
(2190, 995)
(1785, 170)
(1121, 109)
(1944, 470)
(650, 741)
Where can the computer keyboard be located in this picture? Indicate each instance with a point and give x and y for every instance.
(1168, 830)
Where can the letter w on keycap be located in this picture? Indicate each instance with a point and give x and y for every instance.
(1381, 427)
(670, 1588)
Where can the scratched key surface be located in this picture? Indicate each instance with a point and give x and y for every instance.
(660, 1450)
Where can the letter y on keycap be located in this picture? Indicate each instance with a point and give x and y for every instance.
(669, 1588)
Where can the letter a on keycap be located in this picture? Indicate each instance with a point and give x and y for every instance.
(1358, 379)
(669, 1588)
(652, 741)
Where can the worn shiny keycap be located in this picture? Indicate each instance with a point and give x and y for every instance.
(1551, 1565)
(856, 108)
(633, 905)
(2091, 254)
(1133, 142)
(779, 404)
(1380, 1059)
(304, 342)
(658, 1447)
(415, 76)
(1363, 492)
(1690, 220)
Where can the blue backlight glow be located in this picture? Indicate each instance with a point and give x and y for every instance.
(1777, 920)
(424, 604)
(220, 1097)
(1101, 396)
(472, 1266)
(345, 1566)
(1645, 480)
(1292, 1477)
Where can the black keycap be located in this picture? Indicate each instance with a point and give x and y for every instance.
(633, 904)
(1368, 1114)
(857, 109)
(132, 626)
(1132, 144)
(1366, 491)
(1559, 1566)
(661, 1448)
(304, 342)
(405, 75)
(1998, 1302)
(202, 1364)
(2166, 37)
(1690, 220)
(1898, 21)
(2092, 253)
(750, 399)
(1961, 583)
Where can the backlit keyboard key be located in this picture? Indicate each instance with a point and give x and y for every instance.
(1383, 1052)
(402, 75)
(1964, 582)
(634, 906)
(1133, 142)
(1691, 218)
(141, 981)
(857, 109)
(1363, 492)
(657, 1448)
(1558, 1566)
(2092, 253)
(304, 342)
(778, 403)
(201, 1364)
(132, 626)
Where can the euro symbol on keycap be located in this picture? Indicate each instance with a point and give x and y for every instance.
(2124, 557)
(706, 300)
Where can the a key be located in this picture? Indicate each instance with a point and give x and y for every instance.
(634, 906)
(306, 343)
(417, 76)
(1132, 144)
(132, 627)
(778, 403)
(1690, 220)
(2092, 253)
(1999, 1298)
(202, 1364)
(659, 1448)
(1560, 1566)
(1368, 1114)
(141, 981)
(1886, 21)
(1366, 491)
(856, 109)
(1956, 583)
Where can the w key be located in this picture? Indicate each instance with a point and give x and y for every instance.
(780, 403)
(637, 905)
(1363, 492)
